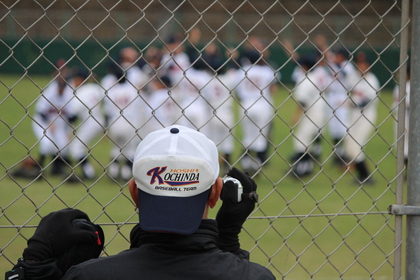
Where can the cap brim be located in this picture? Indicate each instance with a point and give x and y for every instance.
(180, 215)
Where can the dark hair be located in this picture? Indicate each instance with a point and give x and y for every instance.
(344, 52)
(81, 73)
(253, 56)
(308, 60)
(166, 81)
(118, 72)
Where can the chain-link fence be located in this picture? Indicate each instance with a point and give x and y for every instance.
(309, 97)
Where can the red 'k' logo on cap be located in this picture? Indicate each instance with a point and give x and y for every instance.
(155, 174)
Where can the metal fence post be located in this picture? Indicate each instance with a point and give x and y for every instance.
(404, 39)
(413, 188)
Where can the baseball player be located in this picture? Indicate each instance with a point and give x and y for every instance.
(127, 61)
(174, 63)
(124, 109)
(192, 89)
(52, 119)
(254, 90)
(86, 106)
(363, 112)
(220, 104)
(309, 118)
(343, 72)
(160, 107)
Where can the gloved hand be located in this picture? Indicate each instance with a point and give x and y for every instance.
(66, 235)
(232, 214)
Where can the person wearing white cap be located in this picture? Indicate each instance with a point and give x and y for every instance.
(176, 181)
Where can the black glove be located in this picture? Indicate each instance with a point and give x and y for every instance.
(232, 214)
(66, 235)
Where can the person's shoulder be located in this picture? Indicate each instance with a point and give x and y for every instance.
(100, 268)
(238, 266)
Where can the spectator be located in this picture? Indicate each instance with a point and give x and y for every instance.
(175, 183)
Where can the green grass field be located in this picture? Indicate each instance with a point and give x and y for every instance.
(323, 226)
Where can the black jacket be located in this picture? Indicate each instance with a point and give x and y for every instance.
(163, 256)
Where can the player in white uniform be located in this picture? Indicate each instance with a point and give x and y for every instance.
(310, 117)
(254, 90)
(124, 109)
(52, 122)
(407, 110)
(160, 107)
(343, 71)
(364, 99)
(192, 89)
(127, 61)
(174, 63)
(86, 106)
(220, 106)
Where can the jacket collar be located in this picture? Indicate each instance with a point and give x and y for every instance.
(204, 238)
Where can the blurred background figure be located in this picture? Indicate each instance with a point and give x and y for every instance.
(310, 116)
(220, 126)
(363, 112)
(52, 120)
(191, 93)
(343, 72)
(86, 109)
(160, 108)
(174, 63)
(255, 83)
(124, 110)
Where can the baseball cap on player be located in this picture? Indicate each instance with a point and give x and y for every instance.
(174, 169)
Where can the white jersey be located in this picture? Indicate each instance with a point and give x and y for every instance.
(108, 81)
(52, 103)
(336, 97)
(365, 90)
(191, 90)
(88, 102)
(174, 66)
(124, 105)
(160, 110)
(343, 79)
(254, 83)
(310, 93)
(52, 112)
(134, 76)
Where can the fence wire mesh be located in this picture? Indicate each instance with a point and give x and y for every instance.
(301, 94)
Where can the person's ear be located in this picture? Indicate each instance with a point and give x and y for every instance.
(134, 191)
(215, 192)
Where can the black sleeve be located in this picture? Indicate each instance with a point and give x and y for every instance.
(45, 270)
(242, 254)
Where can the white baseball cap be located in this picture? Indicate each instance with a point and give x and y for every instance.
(174, 169)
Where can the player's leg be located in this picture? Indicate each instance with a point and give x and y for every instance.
(306, 133)
(359, 132)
